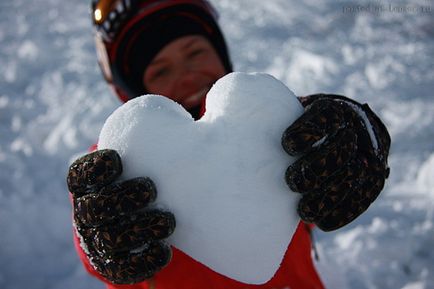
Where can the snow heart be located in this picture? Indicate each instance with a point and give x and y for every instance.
(221, 176)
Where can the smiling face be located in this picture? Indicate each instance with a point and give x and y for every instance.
(184, 70)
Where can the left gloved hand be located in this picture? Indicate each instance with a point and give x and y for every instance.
(120, 232)
(343, 148)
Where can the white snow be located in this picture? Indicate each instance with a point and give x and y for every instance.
(222, 176)
(425, 176)
(383, 58)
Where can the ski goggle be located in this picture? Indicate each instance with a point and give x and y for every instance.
(109, 16)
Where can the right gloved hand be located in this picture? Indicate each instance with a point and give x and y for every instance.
(342, 148)
(122, 237)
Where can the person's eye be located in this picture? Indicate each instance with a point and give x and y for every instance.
(196, 52)
(159, 73)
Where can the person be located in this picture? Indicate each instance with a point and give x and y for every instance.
(176, 49)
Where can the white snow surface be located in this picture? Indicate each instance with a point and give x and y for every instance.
(53, 103)
(222, 176)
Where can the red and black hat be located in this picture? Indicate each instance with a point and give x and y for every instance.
(130, 33)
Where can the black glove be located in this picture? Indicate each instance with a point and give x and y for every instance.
(121, 236)
(342, 166)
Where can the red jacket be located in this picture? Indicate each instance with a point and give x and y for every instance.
(296, 271)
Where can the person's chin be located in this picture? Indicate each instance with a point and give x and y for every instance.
(195, 103)
(196, 111)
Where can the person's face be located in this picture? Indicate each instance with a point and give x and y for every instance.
(184, 70)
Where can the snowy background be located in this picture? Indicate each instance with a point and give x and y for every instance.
(53, 102)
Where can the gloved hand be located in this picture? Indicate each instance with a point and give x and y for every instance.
(122, 237)
(342, 166)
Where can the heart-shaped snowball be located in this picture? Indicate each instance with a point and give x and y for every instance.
(222, 176)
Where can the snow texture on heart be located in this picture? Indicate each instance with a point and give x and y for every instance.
(222, 176)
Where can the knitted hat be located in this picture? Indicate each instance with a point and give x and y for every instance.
(146, 34)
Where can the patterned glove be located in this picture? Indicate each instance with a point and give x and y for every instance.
(342, 166)
(121, 236)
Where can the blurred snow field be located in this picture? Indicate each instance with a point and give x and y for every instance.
(53, 102)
